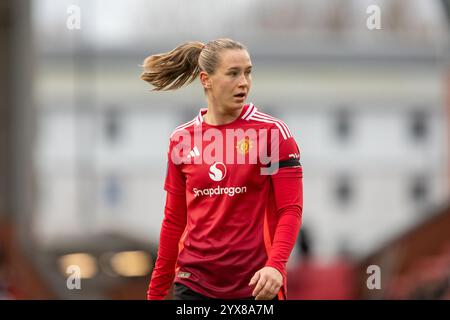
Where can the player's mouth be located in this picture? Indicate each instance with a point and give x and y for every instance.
(240, 96)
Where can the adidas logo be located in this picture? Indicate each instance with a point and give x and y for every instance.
(193, 153)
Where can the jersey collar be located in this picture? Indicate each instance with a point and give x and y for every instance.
(247, 111)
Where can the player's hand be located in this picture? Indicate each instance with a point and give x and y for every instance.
(268, 282)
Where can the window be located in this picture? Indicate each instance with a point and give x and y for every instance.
(419, 190)
(344, 190)
(112, 127)
(419, 122)
(112, 191)
(304, 242)
(343, 125)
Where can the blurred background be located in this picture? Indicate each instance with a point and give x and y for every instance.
(83, 140)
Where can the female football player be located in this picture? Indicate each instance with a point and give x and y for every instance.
(234, 183)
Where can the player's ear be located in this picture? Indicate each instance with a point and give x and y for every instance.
(205, 80)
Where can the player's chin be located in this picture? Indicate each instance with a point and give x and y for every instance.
(237, 103)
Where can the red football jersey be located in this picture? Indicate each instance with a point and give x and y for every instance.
(228, 188)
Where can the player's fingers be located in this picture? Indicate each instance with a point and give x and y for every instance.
(265, 292)
(275, 289)
(263, 295)
(255, 278)
(259, 286)
(262, 281)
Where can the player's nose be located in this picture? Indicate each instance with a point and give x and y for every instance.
(243, 81)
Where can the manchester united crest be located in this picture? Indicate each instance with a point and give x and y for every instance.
(243, 146)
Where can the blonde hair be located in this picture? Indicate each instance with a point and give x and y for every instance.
(172, 70)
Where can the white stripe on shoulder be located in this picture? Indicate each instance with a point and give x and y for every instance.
(183, 126)
(266, 116)
(251, 109)
(258, 118)
(199, 118)
(252, 113)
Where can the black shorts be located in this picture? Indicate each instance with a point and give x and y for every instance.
(182, 292)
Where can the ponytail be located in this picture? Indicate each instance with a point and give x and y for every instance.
(171, 70)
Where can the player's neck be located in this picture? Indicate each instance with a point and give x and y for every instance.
(216, 117)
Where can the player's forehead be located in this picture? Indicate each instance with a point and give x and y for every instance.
(234, 59)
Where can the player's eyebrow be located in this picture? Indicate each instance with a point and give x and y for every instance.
(238, 68)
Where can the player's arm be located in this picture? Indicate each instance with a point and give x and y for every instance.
(287, 185)
(288, 192)
(173, 226)
(288, 188)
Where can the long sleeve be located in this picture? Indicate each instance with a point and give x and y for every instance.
(173, 226)
(288, 192)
